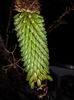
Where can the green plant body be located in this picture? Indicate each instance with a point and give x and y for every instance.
(32, 40)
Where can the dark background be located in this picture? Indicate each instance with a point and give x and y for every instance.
(60, 44)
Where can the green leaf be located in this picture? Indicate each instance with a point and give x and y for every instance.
(32, 85)
(33, 77)
(49, 78)
(30, 73)
(39, 82)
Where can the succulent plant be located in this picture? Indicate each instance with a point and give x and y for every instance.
(31, 34)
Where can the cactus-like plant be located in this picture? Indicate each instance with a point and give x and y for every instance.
(31, 34)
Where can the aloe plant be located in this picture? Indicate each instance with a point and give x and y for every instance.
(31, 34)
